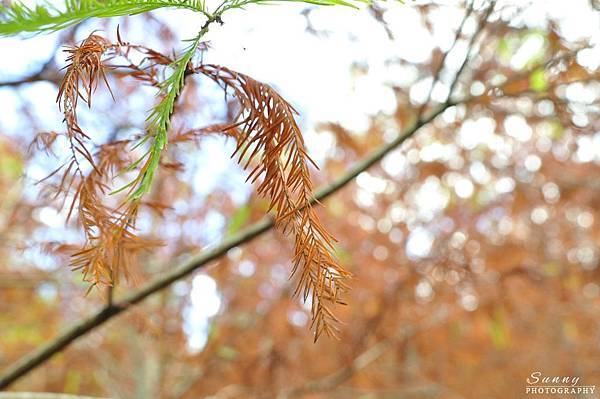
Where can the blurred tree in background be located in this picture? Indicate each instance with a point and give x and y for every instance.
(461, 140)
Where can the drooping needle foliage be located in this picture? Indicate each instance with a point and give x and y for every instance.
(269, 142)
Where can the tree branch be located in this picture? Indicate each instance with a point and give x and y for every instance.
(442, 64)
(44, 75)
(480, 28)
(45, 352)
(48, 71)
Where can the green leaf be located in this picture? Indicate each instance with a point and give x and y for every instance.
(159, 120)
(46, 17)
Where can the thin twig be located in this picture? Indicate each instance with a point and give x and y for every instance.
(48, 72)
(476, 35)
(109, 295)
(442, 64)
(43, 75)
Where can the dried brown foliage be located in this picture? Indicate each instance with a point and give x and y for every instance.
(270, 142)
(111, 244)
(43, 141)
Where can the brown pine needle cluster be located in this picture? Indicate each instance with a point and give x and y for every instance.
(269, 143)
(270, 139)
(84, 70)
(111, 245)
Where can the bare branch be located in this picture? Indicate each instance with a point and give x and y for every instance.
(49, 71)
(442, 64)
(43, 75)
(478, 32)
